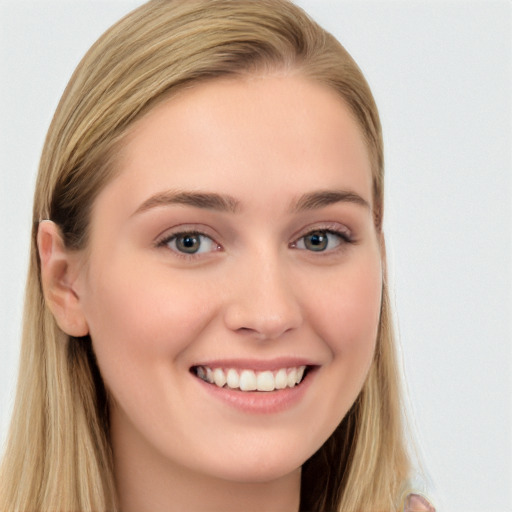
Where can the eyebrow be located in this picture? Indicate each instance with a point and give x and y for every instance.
(322, 198)
(204, 200)
(225, 203)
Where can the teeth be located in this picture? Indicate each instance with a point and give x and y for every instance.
(233, 379)
(265, 381)
(281, 379)
(249, 380)
(292, 378)
(219, 377)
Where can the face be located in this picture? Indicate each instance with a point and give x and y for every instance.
(232, 282)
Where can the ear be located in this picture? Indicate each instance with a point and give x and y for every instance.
(59, 268)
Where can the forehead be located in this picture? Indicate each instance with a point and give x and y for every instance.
(227, 133)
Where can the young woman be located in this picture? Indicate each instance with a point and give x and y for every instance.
(207, 324)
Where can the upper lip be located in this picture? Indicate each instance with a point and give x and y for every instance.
(257, 364)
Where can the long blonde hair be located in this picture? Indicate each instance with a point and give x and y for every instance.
(58, 455)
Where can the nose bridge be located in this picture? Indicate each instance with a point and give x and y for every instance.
(263, 300)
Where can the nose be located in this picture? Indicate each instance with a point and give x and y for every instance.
(262, 301)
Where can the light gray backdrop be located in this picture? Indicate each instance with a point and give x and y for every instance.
(441, 74)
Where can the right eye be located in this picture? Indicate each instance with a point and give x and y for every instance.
(190, 243)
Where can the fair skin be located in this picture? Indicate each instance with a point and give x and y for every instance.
(238, 235)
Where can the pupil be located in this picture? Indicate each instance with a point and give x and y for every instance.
(316, 241)
(188, 243)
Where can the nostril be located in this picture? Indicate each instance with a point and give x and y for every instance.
(245, 330)
(263, 334)
(261, 326)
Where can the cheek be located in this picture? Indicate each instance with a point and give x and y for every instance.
(138, 321)
(348, 310)
(344, 312)
(348, 320)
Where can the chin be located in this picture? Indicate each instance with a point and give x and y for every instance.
(255, 475)
(255, 466)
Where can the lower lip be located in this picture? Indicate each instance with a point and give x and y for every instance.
(260, 402)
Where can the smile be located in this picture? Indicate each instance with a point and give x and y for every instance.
(250, 380)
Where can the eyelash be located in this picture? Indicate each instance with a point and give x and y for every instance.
(167, 240)
(344, 238)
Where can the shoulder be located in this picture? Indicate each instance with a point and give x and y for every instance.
(417, 503)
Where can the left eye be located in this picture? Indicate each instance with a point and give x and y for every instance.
(190, 243)
(319, 241)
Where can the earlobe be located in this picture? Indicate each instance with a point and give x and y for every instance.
(58, 273)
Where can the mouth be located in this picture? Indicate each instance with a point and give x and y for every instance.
(245, 380)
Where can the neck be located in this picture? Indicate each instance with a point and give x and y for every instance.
(148, 482)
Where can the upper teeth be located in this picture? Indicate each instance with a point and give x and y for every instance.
(249, 380)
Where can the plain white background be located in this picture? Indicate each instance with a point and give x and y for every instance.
(441, 74)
